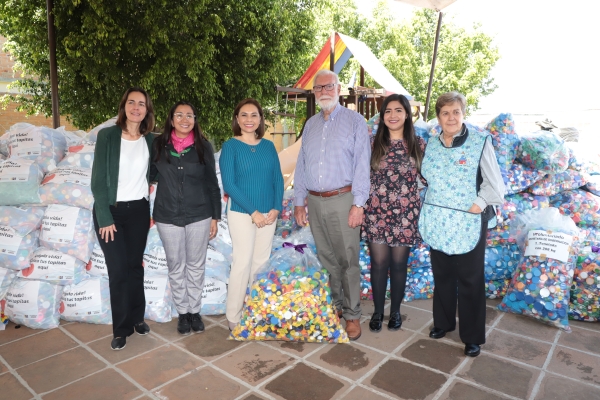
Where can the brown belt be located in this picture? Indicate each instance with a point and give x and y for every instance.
(332, 192)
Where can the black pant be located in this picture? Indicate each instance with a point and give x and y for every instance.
(124, 257)
(461, 276)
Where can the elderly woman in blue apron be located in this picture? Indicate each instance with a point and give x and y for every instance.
(464, 185)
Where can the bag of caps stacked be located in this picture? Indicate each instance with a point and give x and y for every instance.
(214, 292)
(583, 207)
(222, 242)
(286, 221)
(540, 287)
(92, 135)
(224, 196)
(585, 292)
(87, 301)
(7, 277)
(69, 230)
(419, 277)
(80, 155)
(43, 145)
(68, 185)
(520, 177)
(73, 138)
(364, 261)
(54, 267)
(4, 144)
(584, 157)
(290, 300)
(158, 297)
(373, 124)
(593, 185)
(543, 151)
(552, 184)
(504, 139)
(97, 264)
(35, 304)
(513, 205)
(422, 129)
(500, 264)
(19, 182)
(155, 261)
(19, 235)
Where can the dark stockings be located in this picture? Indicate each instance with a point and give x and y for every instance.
(393, 259)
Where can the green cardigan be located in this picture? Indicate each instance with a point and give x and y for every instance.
(105, 172)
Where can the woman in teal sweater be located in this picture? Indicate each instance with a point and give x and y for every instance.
(252, 178)
(121, 209)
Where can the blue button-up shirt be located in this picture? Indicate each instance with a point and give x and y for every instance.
(335, 153)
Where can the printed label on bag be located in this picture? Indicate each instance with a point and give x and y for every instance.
(549, 244)
(76, 175)
(156, 262)
(22, 299)
(97, 264)
(213, 255)
(15, 171)
(223, 232)
(84, 299)
(155, 288)
(58, 224)
(9, 240)
(214, 291)
(25, 142)
(50, 265)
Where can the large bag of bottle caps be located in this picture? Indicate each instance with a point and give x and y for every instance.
(419, 277)
(519, 177)
(540, 287)
(87, 301)
(68, 185)
(544, 151)
(7, 277)
(501, 261)
(496, 289)
(286, 221)
(290, 300)
(16, 250)
(552, 184)
(19, 182)
(518, 203)
(585, 292)
(73, 138)
(214, 292)
(155, 261)
(584, 157)
(97, 264)
(69, 230)
(92, 135)
(43, 145)
(583, 207)
(22, 219)
(35, 304)
(158, 298)
(54, 267)
(593, 185)
(80, 155)
(504, 139)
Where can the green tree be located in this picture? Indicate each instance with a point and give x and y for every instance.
(210, 52)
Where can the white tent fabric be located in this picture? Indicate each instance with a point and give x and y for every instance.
(436, 5)
(373, 66)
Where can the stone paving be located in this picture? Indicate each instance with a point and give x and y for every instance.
(522, 359)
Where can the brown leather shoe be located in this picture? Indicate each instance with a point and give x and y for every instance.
(353, 328)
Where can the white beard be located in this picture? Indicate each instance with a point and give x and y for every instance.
(327, 104)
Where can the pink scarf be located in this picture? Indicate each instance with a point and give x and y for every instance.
(181, 143)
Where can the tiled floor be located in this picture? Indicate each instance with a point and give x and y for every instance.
(522, 359)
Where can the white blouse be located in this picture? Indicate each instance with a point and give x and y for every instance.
(133, 167)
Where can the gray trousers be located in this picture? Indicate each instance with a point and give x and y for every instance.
(338, 246)
(185, 248)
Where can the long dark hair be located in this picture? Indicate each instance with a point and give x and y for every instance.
(160, 143)
(235, 127)
(381, 143)
(147, 123)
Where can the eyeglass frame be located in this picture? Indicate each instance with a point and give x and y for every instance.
(321, 87)
(179, 116)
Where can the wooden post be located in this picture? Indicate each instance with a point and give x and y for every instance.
(332, 52)
(435, 49)
(53, 69)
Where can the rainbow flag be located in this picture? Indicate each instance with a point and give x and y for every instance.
(342, 55)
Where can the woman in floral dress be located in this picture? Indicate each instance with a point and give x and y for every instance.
(392, 211)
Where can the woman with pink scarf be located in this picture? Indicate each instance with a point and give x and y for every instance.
(187, 208)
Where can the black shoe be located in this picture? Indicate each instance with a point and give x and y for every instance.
(197, 324)
(472, 350)
(118, 343)
(142, 328)
(437, 333)
(183, 325)
(376, 322)
(395, 321)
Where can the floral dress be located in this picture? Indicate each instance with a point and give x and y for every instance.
(392, 210)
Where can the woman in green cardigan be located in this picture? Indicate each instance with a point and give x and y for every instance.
(121, 209)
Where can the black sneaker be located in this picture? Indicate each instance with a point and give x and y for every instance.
(118, 343)
(183, 325)
(142, 328)
(197, 324)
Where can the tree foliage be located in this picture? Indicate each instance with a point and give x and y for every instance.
(210, 52)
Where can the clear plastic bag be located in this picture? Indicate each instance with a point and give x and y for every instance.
(54, 267)
(43, 145)
(35, 304)
(552, 184)
(97, 264)
(80, 155)
(22, 219)
(519, 177)
(68, 185)
(214, 292)
(19, 182)
(69, 230)
(501, 261)
(92, 135)
(155, 262)
(585, 292)
(7, 277)
(73, 138)
(286, 221)
(543, 151)
(419, 277)
(504, 139)
(496, 289)
(581, 206)
(518, 203)
(593, 185)
(16, 250)
(88, 301)
(158, 298)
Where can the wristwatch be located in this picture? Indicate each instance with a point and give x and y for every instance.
(357, 206)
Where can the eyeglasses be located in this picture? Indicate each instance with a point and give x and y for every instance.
(179, 116)
(327, 87)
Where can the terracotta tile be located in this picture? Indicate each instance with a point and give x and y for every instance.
(11, 332)
(518, 348)
(462, 391)
(211, 344)
(45, 344)
(12, 388)
(556, 388)
(298, 349)
(503, 376)
(367, 307)
(384, 340)
(95, 388)
(412, 318)
(168, 330)
(405, 380)
(205, 383)
(492, 303)
(527, 326)
(159, 366)
(349, 360)
(254, 363)
(88, 332)
(575, 364)
(581, 340)
(434, 354)
(61, 369)
(136, 344)
(360, 393)
(303, 382)
(253, 396)
(594, 326)
(491, 315)
(426, 304)
(3, 368)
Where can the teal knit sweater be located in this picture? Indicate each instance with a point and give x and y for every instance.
(252, 179)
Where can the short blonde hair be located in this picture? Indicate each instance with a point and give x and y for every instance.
(449, 98)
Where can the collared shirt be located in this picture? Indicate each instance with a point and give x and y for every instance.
(335, 153)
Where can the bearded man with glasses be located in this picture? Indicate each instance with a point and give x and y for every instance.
(332, 172)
